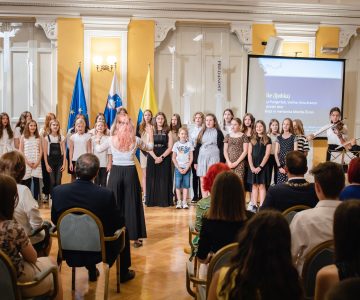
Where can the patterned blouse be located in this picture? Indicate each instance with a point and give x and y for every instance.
(12, 239)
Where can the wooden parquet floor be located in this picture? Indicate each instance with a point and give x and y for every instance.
(159, 264)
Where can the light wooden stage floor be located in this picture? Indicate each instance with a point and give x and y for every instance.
(159, 264)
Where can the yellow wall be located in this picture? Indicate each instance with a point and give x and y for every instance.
(100, 82)
(70, 53)
(140, 54)
(327, 36)
(261, 33)
(295, 49)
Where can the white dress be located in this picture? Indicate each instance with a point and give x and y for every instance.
(32, 154)
(6, 144)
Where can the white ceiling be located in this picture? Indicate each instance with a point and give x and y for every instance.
(328, 12)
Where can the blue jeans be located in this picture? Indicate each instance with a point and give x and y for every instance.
(182, 181)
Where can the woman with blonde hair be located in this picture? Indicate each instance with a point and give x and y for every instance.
(123, 179)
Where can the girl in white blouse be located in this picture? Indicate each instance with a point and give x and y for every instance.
(6, 134)
(103, 156)
(25, 117)
(80, 143)
(30, 146)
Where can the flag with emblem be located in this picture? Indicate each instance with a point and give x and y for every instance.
(113, 102)
(78, 102)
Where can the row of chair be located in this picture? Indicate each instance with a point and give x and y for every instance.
(78, 229)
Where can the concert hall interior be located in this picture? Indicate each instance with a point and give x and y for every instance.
(172, 98)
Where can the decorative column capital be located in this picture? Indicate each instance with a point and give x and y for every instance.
(10, 28)
(49, 26)
(243, 32)
(162, 27)
(346, 33)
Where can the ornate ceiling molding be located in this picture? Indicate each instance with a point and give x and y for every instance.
(231, 10)
(243, 32)
(10, 29)
(49, 26)
(162, 28)
(346, 33)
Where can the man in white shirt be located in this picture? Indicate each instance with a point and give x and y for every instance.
(314, 226)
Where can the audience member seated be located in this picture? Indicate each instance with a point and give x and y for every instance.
(27, 212)
(84, 193)
(313, 226)
(16, 244)
(296, 191)
(262, 268)
(203, 205)
(348, 289)
(226, 216)
(347, 249)
(352, 191)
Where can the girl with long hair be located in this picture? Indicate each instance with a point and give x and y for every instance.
(54, 153)
(258, 156)
(248, 123)
(228, 115)
(194, 131)
(123, 178)
(273, 133)
(235, 148)
(25, 117)
(6, 134)
(30, 146)
(43, 132)
(285, 143)
(100, 117)
(226, 216)
(209, 148)
(175, 125)
(302, 142)
(347, 249)
(158, 171)
(104, 157)
(262, 266)
(143, 135)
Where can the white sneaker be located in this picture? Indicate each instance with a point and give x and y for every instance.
(252, 207)
(178, 205)
(185, 205)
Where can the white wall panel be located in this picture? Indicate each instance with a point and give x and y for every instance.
(19, 83)
(44, 83)
(196, 70)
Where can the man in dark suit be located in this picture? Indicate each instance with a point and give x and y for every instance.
(84, 193)
(297, 191)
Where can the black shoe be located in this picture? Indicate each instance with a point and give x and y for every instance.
(194, 199)
(93, 274)
(127, 276)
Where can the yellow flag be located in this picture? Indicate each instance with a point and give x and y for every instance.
(148, 99)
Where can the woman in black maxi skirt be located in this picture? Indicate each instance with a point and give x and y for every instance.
(123, 179)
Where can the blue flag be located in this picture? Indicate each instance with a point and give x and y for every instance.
(78, 102)
(113, 102)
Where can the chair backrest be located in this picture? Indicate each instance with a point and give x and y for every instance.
(318, 257)
(219, 260)
(80, 230)
(292, 211)
(8, 281)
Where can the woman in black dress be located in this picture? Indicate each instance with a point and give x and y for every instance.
(158, 170)
(258, 156)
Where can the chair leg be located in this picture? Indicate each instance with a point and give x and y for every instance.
(118, 274)
(106, 287)
(73, 278)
